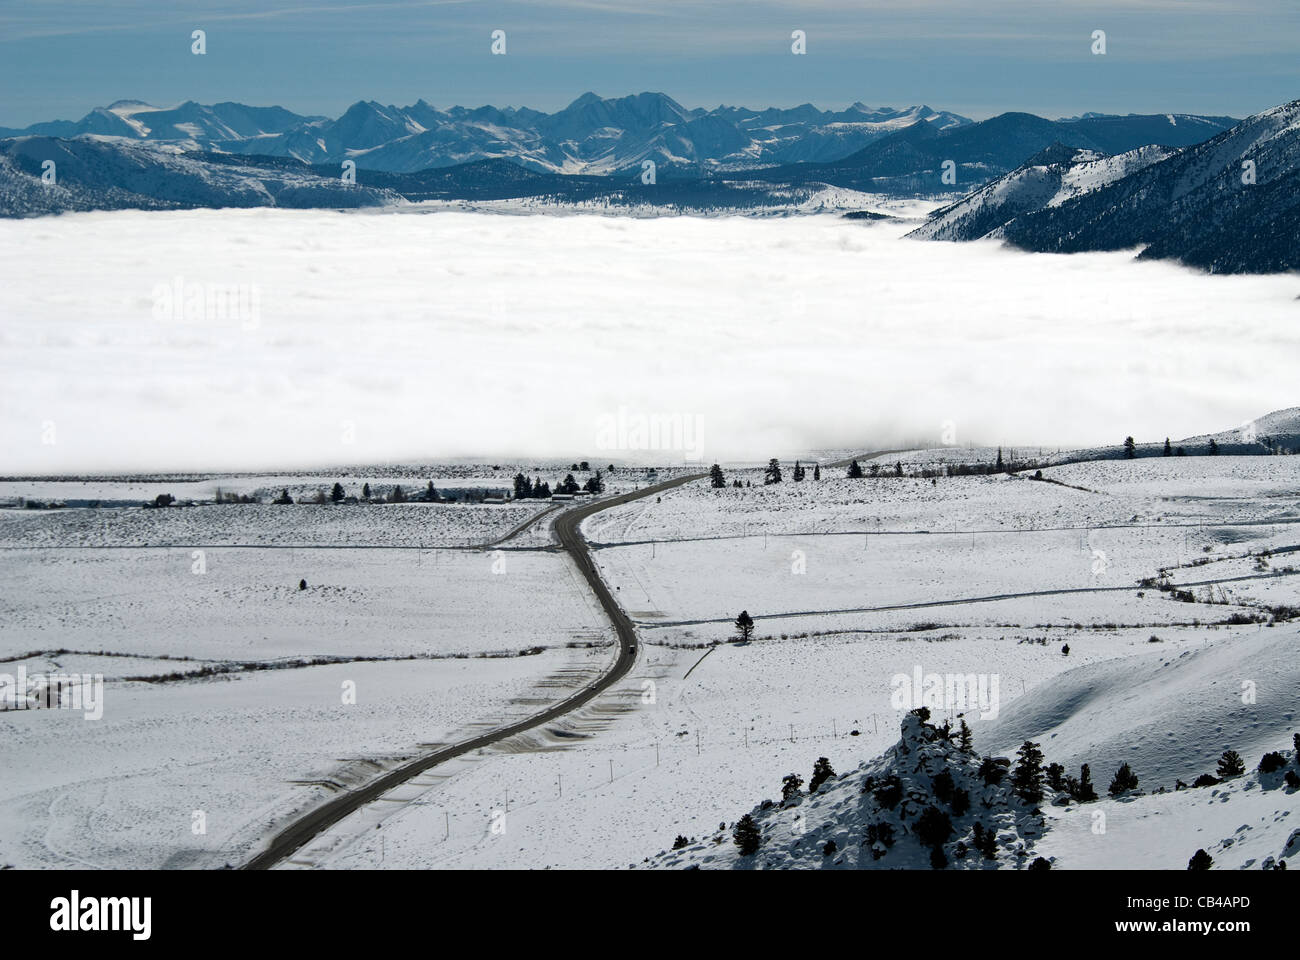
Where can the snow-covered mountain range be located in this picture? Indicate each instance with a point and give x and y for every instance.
(591, 135)
(1230, 204)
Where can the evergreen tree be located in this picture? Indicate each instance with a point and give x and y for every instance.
(943, 787)
(1230, 765)
(337, 493)
(1130, 448)
(523, 487)
(284, 497)
(1085, 792)
(933, 827)
(398, 495)
(898, 469)
(568, 485)
(991, 772)
(1027, 779)
(1214, 448)
(960, 803)
(985, 841)
(716, 478)
(430, 494)
(773, 472)
(365, 491)
(999, 466)
(1169, 450)
(744, 626)
(747, 836)
(798, 471)
(790, 785)
(817, 471)
(1200, 861)
(855, 471)
(1055, 774)
(1125, 780)
(822, 772)
(964, 737)
(595, 483)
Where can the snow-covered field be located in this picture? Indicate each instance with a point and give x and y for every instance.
(697, 735)
(225, 684)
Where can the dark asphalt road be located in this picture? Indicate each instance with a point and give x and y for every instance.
(567, 527)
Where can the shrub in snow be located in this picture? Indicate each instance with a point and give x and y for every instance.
(747, 836)
(1205, 780)
(1125, 780)
(680, 842)
(889, 792)
(822, 772)
(985, 841)
(1292, 780)
(1041, 863)
(790, 785)
(943, 787)
(1055, 774)
(993, 769)
(1230, 765)
(1200, 861)
(880, 837)
(933, 827)
(1082, 789)
(829, 848)
(960, 802)
(1271, 762)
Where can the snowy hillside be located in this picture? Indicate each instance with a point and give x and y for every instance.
(931, 801)
(111, 173)
(1048, 179)
(1229, 205)
(922, 804)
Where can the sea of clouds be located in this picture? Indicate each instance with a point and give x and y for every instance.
(248, 339)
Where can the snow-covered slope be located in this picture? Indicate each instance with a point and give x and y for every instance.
(1048, 179)
(1230, 204)
(97, 173)
(1169, 715)
(881, 815)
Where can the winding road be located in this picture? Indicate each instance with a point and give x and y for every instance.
(568, 530)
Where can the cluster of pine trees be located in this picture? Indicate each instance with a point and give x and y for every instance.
(538, 489)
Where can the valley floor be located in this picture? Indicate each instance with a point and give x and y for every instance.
(852, 583)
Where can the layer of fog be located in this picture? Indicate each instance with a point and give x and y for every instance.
(375, 337)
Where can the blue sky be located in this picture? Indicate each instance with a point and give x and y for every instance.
(60, 58)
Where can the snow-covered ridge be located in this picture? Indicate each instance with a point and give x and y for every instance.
(932, 800)
(1046, 180)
